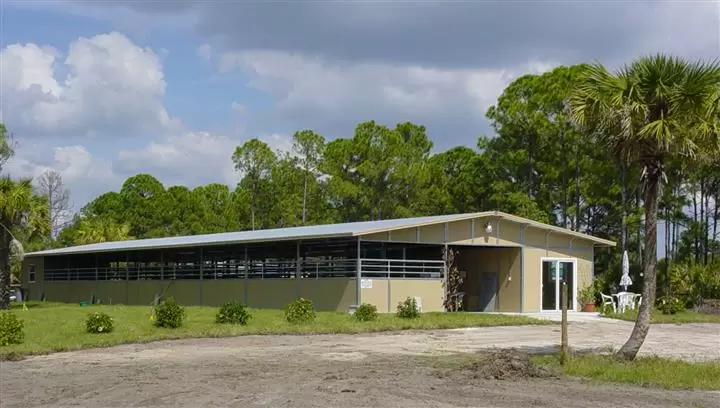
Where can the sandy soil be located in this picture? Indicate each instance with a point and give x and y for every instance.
(381, 370)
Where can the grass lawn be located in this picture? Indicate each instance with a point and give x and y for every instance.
(679, 318)
(53, 327)
(646, 371)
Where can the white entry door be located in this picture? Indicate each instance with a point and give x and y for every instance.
(554, 272)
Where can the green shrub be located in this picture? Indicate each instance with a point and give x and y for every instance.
(11, 329)
(169, 314)
(98, 322)
(366, 312)
(408, 309)
(300, 311)
(670, 305)
(588, 294)
(691, 283)
(233, 313)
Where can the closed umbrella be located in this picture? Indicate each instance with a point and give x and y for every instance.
(625, 280)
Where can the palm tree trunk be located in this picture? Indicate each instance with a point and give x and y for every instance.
(4, 269)
(623, 195)
(715, 225)
(652, 198)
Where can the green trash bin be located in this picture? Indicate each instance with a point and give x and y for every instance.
(84, 303)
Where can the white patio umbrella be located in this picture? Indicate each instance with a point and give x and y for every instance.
(625, 280)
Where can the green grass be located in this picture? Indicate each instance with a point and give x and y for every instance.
(678, 318)
(51, 327)
(645, 371)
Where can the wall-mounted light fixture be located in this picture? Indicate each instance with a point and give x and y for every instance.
(488, 227)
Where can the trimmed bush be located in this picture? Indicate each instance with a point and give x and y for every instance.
(408, 309)
(169, 314)
(670, 305)
(300, 311)
(233, 313)
(98, 322)
(366, 312)
(11, 329)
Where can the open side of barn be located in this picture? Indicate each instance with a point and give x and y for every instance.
(508, 264)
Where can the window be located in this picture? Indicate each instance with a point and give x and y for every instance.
(31, 274)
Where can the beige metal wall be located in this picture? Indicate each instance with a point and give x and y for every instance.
(385, 294)
(33, 289)
(504, 233)
(541, 245)
(536, 243)
(505, 262)
(329, 294)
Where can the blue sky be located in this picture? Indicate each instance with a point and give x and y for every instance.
(99, 91)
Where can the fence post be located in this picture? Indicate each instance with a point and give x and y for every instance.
(564, 330)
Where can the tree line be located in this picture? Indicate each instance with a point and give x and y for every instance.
(600, 152)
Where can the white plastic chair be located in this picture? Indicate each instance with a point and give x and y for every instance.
(637, 301)
(607, 300)
(626, 300)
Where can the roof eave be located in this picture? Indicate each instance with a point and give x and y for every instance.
(51, 252)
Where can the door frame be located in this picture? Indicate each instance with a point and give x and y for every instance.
(557, 282)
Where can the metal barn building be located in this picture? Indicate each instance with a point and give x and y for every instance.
(509, 264)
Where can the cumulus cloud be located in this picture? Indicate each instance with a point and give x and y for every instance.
(83, 174)
(313, 92)
(111, 87)
(459, 34)
(205, 52)
(190, 158)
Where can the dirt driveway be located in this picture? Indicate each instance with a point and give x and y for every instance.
(376, 370)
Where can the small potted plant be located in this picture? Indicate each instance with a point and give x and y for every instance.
(587, 298)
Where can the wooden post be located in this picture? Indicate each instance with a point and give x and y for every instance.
(564, 338)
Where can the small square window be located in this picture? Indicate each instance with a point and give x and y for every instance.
(31, 274)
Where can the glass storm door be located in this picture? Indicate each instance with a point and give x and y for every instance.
(554, 272)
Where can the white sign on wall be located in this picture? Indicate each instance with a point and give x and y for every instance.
(366, 283)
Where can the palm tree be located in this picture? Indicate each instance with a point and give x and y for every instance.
(101, 229)
(20, 209)
(656, 109)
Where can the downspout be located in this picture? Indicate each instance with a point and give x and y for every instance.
(358, 265)
(522, 267)
(297, 269)
(445, 265)
(575, 278)
(472, 231)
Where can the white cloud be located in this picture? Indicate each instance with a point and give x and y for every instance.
(84, 175)
(314, 92)
(237, 107)
(205, 52)
(112, 86)
(191, 158)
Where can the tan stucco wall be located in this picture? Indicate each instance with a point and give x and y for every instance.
(332, 294)
(558, 247)
(509, 288)
(430, 292)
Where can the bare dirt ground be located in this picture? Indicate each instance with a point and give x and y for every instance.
(374, 370)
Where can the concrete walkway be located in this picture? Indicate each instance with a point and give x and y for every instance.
(557, 316)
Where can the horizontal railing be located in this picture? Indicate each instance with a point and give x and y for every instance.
(402, 269)
(306, 269)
